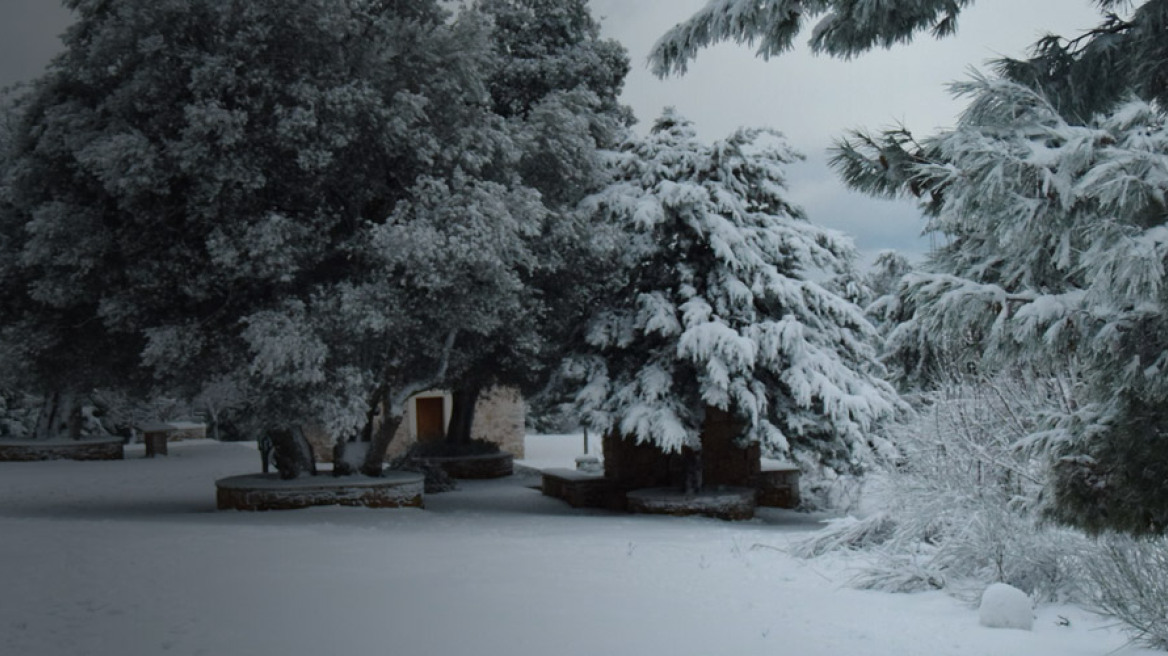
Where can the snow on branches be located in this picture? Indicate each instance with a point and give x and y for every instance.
(719, 310)
(1053, 259)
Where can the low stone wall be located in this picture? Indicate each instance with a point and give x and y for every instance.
(31, 450)
(186, 430)
(490, 465)
(270, 492)
(582, 489)
(730, 503)
(778, 486)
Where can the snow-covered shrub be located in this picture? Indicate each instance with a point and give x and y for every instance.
(961, 509)
(1129, 581)
(18, 413)
(823, 488)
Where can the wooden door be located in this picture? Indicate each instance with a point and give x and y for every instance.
(431, 416)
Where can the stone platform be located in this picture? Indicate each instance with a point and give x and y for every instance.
(270, 492)
(30, 450)
(489, 465)
(732, 503)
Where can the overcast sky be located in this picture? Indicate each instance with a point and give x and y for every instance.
(811, 99)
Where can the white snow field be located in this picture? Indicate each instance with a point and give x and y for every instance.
(131, 558)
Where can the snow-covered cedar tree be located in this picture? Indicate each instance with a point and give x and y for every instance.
(845, 28)
(309, 201)
(557, 83)
(1053, 259)
(1049, 198)
(717, 308)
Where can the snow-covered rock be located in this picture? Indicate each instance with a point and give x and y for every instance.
(1006, 607)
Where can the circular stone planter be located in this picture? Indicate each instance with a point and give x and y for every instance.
(29, 450)
(726, 503)
(270, 492)
(490, 465)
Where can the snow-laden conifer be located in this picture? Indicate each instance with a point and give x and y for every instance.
(845, 28)
(1053, 259)
(719, 308)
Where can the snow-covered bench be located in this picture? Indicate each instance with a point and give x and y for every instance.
(582, 489)
(155, 435)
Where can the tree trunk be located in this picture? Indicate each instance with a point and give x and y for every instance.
(375, 456)
(692, 459)
(462, 412)
(61, 413)
(46, 418)
(293, 453)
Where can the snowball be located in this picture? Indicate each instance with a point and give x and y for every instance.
(1006, 607)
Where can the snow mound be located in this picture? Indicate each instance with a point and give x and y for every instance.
(1005, 607)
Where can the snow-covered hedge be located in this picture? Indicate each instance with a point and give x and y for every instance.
(961, 509)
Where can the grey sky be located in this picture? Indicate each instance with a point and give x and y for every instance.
(811, 99)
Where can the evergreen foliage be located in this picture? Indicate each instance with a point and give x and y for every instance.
(1053, 256)
(845, 28)
(718, 308)
(1049, 199)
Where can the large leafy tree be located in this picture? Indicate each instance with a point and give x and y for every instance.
(556, 83)
(263, 192)
(719, 308)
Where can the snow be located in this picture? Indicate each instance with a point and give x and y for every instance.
(130, 558)
(1005, 607)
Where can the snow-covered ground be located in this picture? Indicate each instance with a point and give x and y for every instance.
(131, 558)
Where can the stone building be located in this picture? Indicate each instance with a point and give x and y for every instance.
(499, 418)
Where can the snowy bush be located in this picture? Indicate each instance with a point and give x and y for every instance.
(1129, 581)
(960, 509)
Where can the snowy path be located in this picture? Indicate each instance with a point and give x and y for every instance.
(130, 558)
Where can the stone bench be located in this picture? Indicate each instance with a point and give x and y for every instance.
(156, 435)
(582, 489)
(778, 485)
(87, 449)
(472, 467)
(270, 492)
(722, 502)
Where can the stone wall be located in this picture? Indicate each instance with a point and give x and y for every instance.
(269, 492)
(499, 417)
(28, 450)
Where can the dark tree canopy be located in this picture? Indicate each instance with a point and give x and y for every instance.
(316, 200)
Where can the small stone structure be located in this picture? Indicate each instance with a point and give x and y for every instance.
(499, 418)
(156, 435)
(487, 465)
(87, 449)
(730, 503)
(643, 478)
(581, 489)
(270, 492)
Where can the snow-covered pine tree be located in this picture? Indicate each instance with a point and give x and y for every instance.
(845, 28)
(1050, 197)
(1053, 259)
(718, 309)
